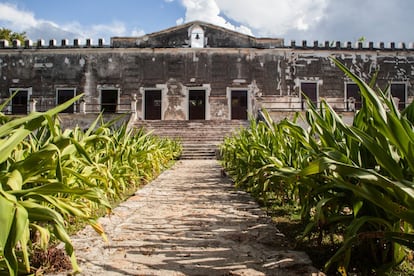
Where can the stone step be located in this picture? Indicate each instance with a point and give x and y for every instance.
(199, 155)
(200, 139)
(199, 151)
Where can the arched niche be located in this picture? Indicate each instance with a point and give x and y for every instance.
(196, 37)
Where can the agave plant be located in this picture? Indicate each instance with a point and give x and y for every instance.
(260, 158)
(356, 179)
(370, 169)
(50, 177)
(32, 181)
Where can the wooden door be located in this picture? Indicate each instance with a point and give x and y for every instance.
(153, 105)
(239, 105)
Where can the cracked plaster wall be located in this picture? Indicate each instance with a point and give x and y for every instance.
(276, 73)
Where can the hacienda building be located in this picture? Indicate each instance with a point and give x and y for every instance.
(197, 71)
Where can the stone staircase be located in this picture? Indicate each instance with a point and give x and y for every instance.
(200, 139)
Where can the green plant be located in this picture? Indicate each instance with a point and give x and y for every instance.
(370, 171)
(31, 178)
(52, 177)
(356, 180)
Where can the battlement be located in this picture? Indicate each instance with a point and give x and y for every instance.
(64, 44)
(315, 45)
(331, 45)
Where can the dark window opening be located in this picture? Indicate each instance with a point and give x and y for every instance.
(353, 100)
(63, 95)
(398, 90)
(309, 89)
(19, 102)
(109, 100)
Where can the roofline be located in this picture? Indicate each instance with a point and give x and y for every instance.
(201, 23)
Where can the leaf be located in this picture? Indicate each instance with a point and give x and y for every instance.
(18, 233)
(357, 206)
(382, 156)
(15, 180)
(405, 239)
(408, 112)
(8, 100)
(8, 145)
(98, 229)
(43, 234)
(6, 219)
(38, 212)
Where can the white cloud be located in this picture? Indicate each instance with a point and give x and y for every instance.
(275, 17)
(265, 17)
(137, 32)
(18, 20)
(378, 20)
(209, 11)
(179, 21)
(101, 30)
(13, 18)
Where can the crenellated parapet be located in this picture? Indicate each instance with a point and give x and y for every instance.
(199, 34)
(315, 45)
(338, 45)
(52, 43)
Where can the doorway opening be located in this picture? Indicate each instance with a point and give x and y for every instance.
(310, 89)
(197, 105)
(239, 105)
(352, 91)
(152, 105)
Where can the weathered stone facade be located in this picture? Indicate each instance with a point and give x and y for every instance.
(199, 71)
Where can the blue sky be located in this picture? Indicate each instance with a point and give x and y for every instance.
(343, 20)
(148, 15)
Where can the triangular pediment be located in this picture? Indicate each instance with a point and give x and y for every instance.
(196, 34)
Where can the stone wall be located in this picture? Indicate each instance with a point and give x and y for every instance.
(272, 76)
(84, 121)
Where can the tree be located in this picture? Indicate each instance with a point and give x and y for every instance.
(9, 35)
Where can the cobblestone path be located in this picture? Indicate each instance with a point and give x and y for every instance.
(189, 221)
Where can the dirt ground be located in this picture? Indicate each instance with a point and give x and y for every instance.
(189, 221)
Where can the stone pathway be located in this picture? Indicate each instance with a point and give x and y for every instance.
(189, 221)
